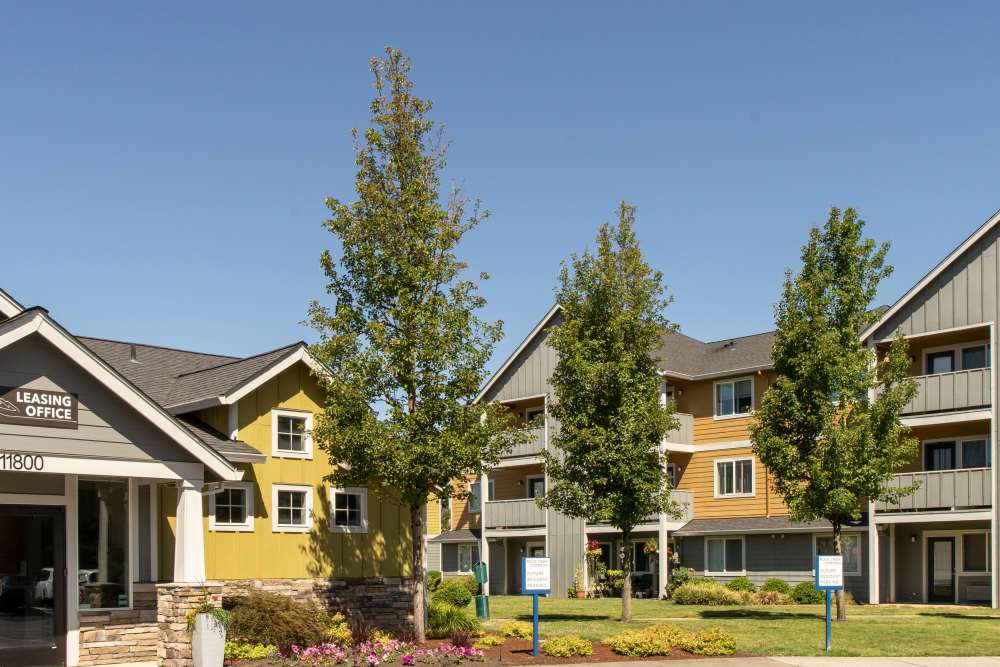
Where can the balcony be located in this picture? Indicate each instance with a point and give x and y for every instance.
(684, 433)
(941, 490)
(533, 447)
(520, 513)
(951, 392)
(685, 499)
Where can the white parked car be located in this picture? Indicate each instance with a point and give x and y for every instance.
(43, 587)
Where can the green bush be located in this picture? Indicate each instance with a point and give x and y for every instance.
(741, 584)
(489, 641)
(777, 586)
(433, 580)
(470, 584)
(453, 592)
(444, 619)
(706, 593)
(652, 640)
(272, 619)
(517, 629)
(806, 593)
(680, 576)
(765, 598)
(244, 651)
(567, 646)
(713, 641)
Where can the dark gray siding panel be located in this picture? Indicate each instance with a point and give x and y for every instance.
(789, 552)
(565, 548)
(498, 568)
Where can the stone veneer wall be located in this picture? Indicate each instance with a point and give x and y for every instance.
(115, 636)
(173, 601)
(383, 602)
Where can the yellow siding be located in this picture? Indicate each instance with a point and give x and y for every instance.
(698, 477)
(461, 517)
(433, 516)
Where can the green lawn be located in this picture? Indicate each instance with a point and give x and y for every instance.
(786, 630)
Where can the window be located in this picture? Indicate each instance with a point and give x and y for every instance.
(947, 360)
(851, 546)
(536, 487)
(231, 509)
(468, 555)
(725, 554)
(291, 508)
(940, 362)
(672, 475)
(474, 495)
(641, 561)
(975, 357)
(975, 454)
(534, 417)
(975, 552)
(953, 454)
(349, 510)
(734, 477)
(939, 456)
(290, 434)
(536, 550)
(733, 397)
(445, 514)
(103, 526)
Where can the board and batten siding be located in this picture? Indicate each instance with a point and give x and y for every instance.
(698, 477)
(529, 374)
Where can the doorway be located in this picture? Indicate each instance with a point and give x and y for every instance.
(941, 569)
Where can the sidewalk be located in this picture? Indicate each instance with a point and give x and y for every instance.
(810, 662)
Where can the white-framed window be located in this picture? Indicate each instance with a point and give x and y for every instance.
(976, 552)
(955, 453)
(231, 509)
(672, 474)
(290, 434)
(850, 543)
(535, 486)
(733, 398)
(962, 357)
(468, 553)
(534, 416)
(349, 509)
(725, 555)
(536, 549)
(291, 508)
(734, 477)
(475, 495)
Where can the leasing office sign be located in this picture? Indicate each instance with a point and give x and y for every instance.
(38, 407)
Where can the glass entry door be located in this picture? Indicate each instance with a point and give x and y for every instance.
(941, 569)
(32, 586)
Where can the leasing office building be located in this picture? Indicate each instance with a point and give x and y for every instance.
(129, 474)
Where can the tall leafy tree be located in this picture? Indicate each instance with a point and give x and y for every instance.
(828, 429)
(608, 464)
(405, 347)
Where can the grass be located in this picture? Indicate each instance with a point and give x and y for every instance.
(784, 630)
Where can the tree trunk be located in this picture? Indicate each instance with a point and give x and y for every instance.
(627, 574)
(841, 609)
(419, 578)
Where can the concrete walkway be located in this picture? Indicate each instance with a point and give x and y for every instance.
(809, 662)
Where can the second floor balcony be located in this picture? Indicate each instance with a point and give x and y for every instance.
(684, 433)
(942, 490)
(534, 445)
(951, 392)
(519, 513)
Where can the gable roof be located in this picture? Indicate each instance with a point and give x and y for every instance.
(9, 307)
(932, 274)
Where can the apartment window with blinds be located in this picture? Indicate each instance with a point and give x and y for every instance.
(724, 555)
(734, 478)
(733, 397)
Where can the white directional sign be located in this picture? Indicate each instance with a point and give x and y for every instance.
(829, 572)
(536, 575)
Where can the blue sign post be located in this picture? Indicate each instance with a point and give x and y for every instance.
(829, 577)
(536, 580)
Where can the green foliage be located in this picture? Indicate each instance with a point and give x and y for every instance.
(470, 584)
(706, 593)
(766, 598)
(741, 584)
(517, 630)
(680, 576)
(443, 620)
(489, 641)
(652, 640)
(454, 593)
(606, 386)
(245, 651)
(567, 646)
(828, 427)
(806, 593)
(777, 586)
(219, 616)
(433, 580)
(339, 630)
(278, 620)
(713, 641)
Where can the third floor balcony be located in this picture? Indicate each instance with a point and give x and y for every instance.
(951, 392)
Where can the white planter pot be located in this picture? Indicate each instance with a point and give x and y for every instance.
(208, 642)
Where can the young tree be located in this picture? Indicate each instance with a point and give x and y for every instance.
(406, 350)
(828, 429)
(608, 464)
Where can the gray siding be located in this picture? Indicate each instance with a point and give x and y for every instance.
(529, 374)
(910, 558)
(108, 427)
(565, 548)
(449, 556)
(144, 533)
(433, 556)
(498, 568)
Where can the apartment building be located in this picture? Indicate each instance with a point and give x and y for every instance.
(131, 475)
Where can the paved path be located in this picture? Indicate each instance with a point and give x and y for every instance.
(809, 662)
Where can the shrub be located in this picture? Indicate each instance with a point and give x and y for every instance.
(244, 651)
(453, 592)
(462, 638)
(765, 598)
(517, 629)
(470, 584)
(653, 640)
(433, 580)
(680, 576)
(706, 593)
(713, 641)
(270, 618)
(339, 631)
(443, 620)
(489, 641)
(741, 584)
(806, 593)
(777, 586)
(567, 646)
(380, 636)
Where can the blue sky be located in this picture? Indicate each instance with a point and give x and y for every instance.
(163, 166)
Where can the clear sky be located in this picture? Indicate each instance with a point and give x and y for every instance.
(163, 166)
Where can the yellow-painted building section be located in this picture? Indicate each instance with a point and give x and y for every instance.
(263, 553)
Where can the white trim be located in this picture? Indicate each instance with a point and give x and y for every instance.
(929, 517)
(932, 274)
(520, 461)
(110, 467)
(717, 447)
(723, 539)
(947, 418)
(331, 494)
(717, 374)
(307, 507)
(154, 532)
(732, 381)
(70, 492)
(515, 532)
(8, 306)
(843, 534)
(516, 353)
(734, 460)
(247, 525)
(307, 443)
(132, 509)
(935, 332)
(234, 421)
(956, 350)
(11, 332)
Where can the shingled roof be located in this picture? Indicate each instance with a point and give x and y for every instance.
(690, 358)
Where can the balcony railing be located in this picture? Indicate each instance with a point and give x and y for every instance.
(941, 490)
(945, 392)
(685, 501)
(684, 433)
(520, 513)
(532, 447)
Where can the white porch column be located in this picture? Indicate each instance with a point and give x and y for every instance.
(484, 546)
(71, 490)
(189, 546)
(873, 557)
(661, 553)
